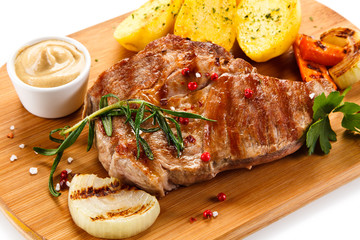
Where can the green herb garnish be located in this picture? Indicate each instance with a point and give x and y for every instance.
(320, 130)
(145, 112)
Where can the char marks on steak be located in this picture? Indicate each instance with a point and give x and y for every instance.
(268, 126)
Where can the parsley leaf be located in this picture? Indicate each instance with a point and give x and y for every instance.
(351, 120)
(320, 130)
(323, 105)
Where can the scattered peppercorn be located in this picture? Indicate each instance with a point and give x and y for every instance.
(248, 93)
(214, 76)
(63, 179)
(192, 219)
(192, 86)
(205, 156)
(62, 184)
(185, 71)
(183, 121)
(10, 135)
(207, 214)
(64, 174)
(221, 197)
(189, 139)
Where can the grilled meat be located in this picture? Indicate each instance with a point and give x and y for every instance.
(249, 130)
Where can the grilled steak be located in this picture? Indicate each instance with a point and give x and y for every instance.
(249, 130)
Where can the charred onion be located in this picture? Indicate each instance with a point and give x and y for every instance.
(347, 71)
(105, 208)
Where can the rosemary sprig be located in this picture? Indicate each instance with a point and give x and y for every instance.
(143, 113)
(53, 168)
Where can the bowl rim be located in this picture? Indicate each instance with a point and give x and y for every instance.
(83, 74)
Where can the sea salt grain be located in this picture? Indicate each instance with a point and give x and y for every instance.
(68, 170)
(57, 187)
(215, 214)
(12, 127)
(13, 158)
(70, 159)
(68, 183)
(33, 170)
(22, 146)
(311, 95)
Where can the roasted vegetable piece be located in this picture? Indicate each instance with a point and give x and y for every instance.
(151, 21)
(207, 20)
(320, 52)
(106, 208)
(267, 28)
(340, 36)
(309, 70)
(346, 72)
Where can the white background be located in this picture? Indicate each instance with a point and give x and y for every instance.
(334, 216)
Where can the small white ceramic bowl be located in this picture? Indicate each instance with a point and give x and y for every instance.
(52, 102)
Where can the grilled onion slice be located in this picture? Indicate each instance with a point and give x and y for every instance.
(105, 208)
(346, 72)
(340, 36)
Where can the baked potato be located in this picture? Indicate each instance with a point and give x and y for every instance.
(266, 28)
(152, 20)
(207, 20)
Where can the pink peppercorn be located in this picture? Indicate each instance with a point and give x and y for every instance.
(248, 93)
(185, 71)
(207, 214)
(221, 197)
(183, 121)
(192, 86)
(205, 157)
(214, 76)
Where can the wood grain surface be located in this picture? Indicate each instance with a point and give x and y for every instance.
(255, 198)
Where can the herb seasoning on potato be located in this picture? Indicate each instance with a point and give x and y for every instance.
(207, 21)
(266, 29)
(151, 21)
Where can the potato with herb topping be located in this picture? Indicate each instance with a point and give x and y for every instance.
(267, 28)
(207, 20)
(151, 21)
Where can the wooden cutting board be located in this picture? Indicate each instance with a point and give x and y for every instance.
(255, 198)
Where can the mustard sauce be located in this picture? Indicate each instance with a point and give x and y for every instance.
(49, 63)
